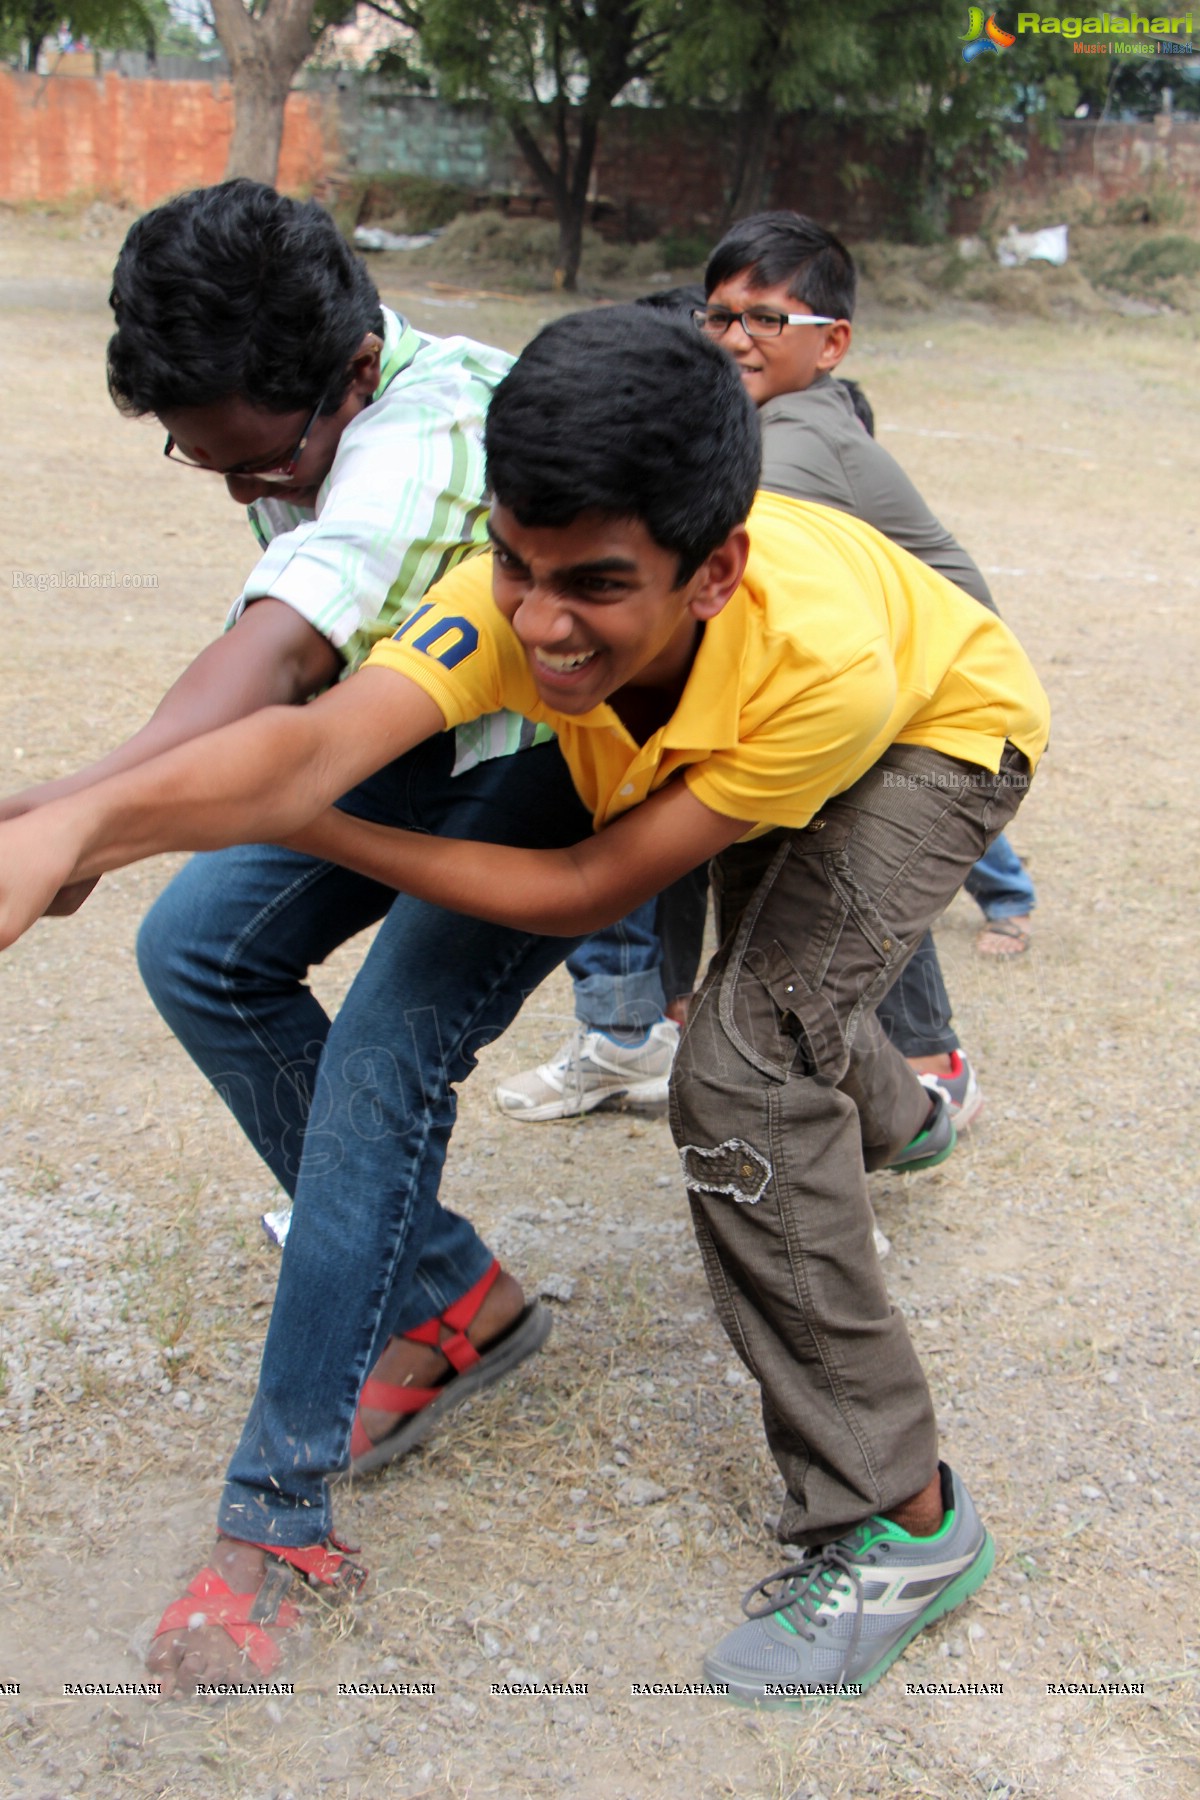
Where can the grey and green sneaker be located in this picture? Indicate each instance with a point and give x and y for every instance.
(836, 1620)
(933, 1143)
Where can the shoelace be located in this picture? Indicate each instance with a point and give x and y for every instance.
(573, 1090)
(806, 1586)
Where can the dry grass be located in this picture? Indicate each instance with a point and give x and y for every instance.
(1111, 268)
(1048, 1270)
(485, 248)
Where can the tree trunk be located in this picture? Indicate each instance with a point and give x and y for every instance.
(565, 186)
(265, 53)
(40, 21)
(570, 248)
(570, 221)
(605, 35)
(757, 118)
(259, 99)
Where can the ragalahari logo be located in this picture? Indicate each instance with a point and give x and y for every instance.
(982, 35)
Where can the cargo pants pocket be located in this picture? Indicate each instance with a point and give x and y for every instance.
(812, 952)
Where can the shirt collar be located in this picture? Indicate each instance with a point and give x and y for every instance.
(708, 716)
(709, 711)
(401, 341)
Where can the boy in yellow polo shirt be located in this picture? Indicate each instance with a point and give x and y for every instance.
(835, 724)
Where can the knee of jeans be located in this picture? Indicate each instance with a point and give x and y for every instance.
(157, 948)
(169, 959)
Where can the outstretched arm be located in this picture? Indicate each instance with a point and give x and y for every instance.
(559, 893)
(261, 778)
(271, 657)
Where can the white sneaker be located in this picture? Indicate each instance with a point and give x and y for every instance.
(277, 1225)
(589, 1070)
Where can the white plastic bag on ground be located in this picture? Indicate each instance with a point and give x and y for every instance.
(1017, 247)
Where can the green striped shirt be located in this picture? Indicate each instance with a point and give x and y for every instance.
(403, 502)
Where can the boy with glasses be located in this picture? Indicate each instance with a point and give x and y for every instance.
(843, 731)
(781, 295)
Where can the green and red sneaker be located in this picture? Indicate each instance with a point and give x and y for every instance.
(934, 1142)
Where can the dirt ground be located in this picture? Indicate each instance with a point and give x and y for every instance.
(595, 1520)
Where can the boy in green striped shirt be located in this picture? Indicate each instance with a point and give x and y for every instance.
(245, 324)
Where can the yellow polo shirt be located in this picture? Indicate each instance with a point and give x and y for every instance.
(836, 645)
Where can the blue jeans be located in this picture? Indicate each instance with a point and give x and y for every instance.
(353, 1117)
(621, 975)
(625, 974)
(1000, 883)
(915, 1011)
(617, 974)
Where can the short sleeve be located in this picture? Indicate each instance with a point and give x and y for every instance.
(460, 651)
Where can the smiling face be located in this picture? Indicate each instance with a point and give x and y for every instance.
(598, 607)
(236, 439)
(786, 364)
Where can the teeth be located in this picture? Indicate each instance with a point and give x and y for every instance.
(562, 665)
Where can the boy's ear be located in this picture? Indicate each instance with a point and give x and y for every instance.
(364, 364)
(837, 342)
(719, 574)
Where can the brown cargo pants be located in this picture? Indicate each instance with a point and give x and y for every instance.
(784, 1086)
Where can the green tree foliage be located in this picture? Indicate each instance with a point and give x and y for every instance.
(896, 73)
(551, 69)
(899, 75)
(1050, 82)
(25, 25)
(762, 59)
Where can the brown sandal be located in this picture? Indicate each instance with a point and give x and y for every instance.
(1014, 929)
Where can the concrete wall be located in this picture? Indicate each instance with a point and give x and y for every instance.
(382, 132)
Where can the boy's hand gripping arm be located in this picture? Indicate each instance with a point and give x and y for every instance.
(557, 893)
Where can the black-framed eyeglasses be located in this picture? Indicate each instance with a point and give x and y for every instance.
(275, 472)
(715, 321)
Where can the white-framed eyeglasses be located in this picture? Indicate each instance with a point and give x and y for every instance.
(757, 322)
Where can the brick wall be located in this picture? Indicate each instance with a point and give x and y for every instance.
(668, 170)
(1114, 160)
(137, 140)
(660, 170)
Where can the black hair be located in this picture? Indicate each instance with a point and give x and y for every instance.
(236, 290)
(629, 412)
(681, 301)
(773, 247)
(864, 412)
